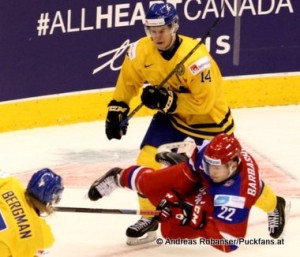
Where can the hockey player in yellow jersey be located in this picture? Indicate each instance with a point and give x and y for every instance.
(190, 104)
(23, 232)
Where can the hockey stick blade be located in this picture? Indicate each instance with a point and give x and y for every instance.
(176, 69)
(106, 211)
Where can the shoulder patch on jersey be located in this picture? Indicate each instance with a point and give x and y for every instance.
(132, 50)
(200, 65)
(3, 225)
(230, 200)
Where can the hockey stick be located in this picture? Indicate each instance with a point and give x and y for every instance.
(177, 68)
(105, 211)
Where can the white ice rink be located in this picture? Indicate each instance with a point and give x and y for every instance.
(81, 153)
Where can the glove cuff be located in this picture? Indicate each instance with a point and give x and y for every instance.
(198, 219)
(171, 103)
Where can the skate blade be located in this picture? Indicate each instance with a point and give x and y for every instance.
(149, 237)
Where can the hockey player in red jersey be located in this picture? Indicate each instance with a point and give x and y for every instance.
(207, 196)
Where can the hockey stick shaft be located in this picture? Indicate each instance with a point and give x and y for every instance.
(106, 211)
(176, 69)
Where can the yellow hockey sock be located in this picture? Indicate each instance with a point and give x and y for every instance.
(147, 158)
(267, 200)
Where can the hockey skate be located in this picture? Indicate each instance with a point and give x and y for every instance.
(105, 185)
(142, 232)
(277, 219)
(170, 158)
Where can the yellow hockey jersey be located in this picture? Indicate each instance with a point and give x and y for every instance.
(22, 232)
(202, 110)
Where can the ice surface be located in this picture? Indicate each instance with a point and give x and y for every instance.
(81, 153)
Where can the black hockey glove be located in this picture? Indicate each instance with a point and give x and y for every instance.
(159, 98)
(191, 215)
(117, 112)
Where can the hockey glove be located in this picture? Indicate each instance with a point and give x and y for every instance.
(159, 98)
(190, 215)
(171, 199)
(117, 112)
(183, 212)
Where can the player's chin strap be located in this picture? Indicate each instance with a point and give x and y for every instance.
(174, 29)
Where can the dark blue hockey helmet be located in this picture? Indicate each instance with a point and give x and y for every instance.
(46, 186)
(161, 14)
